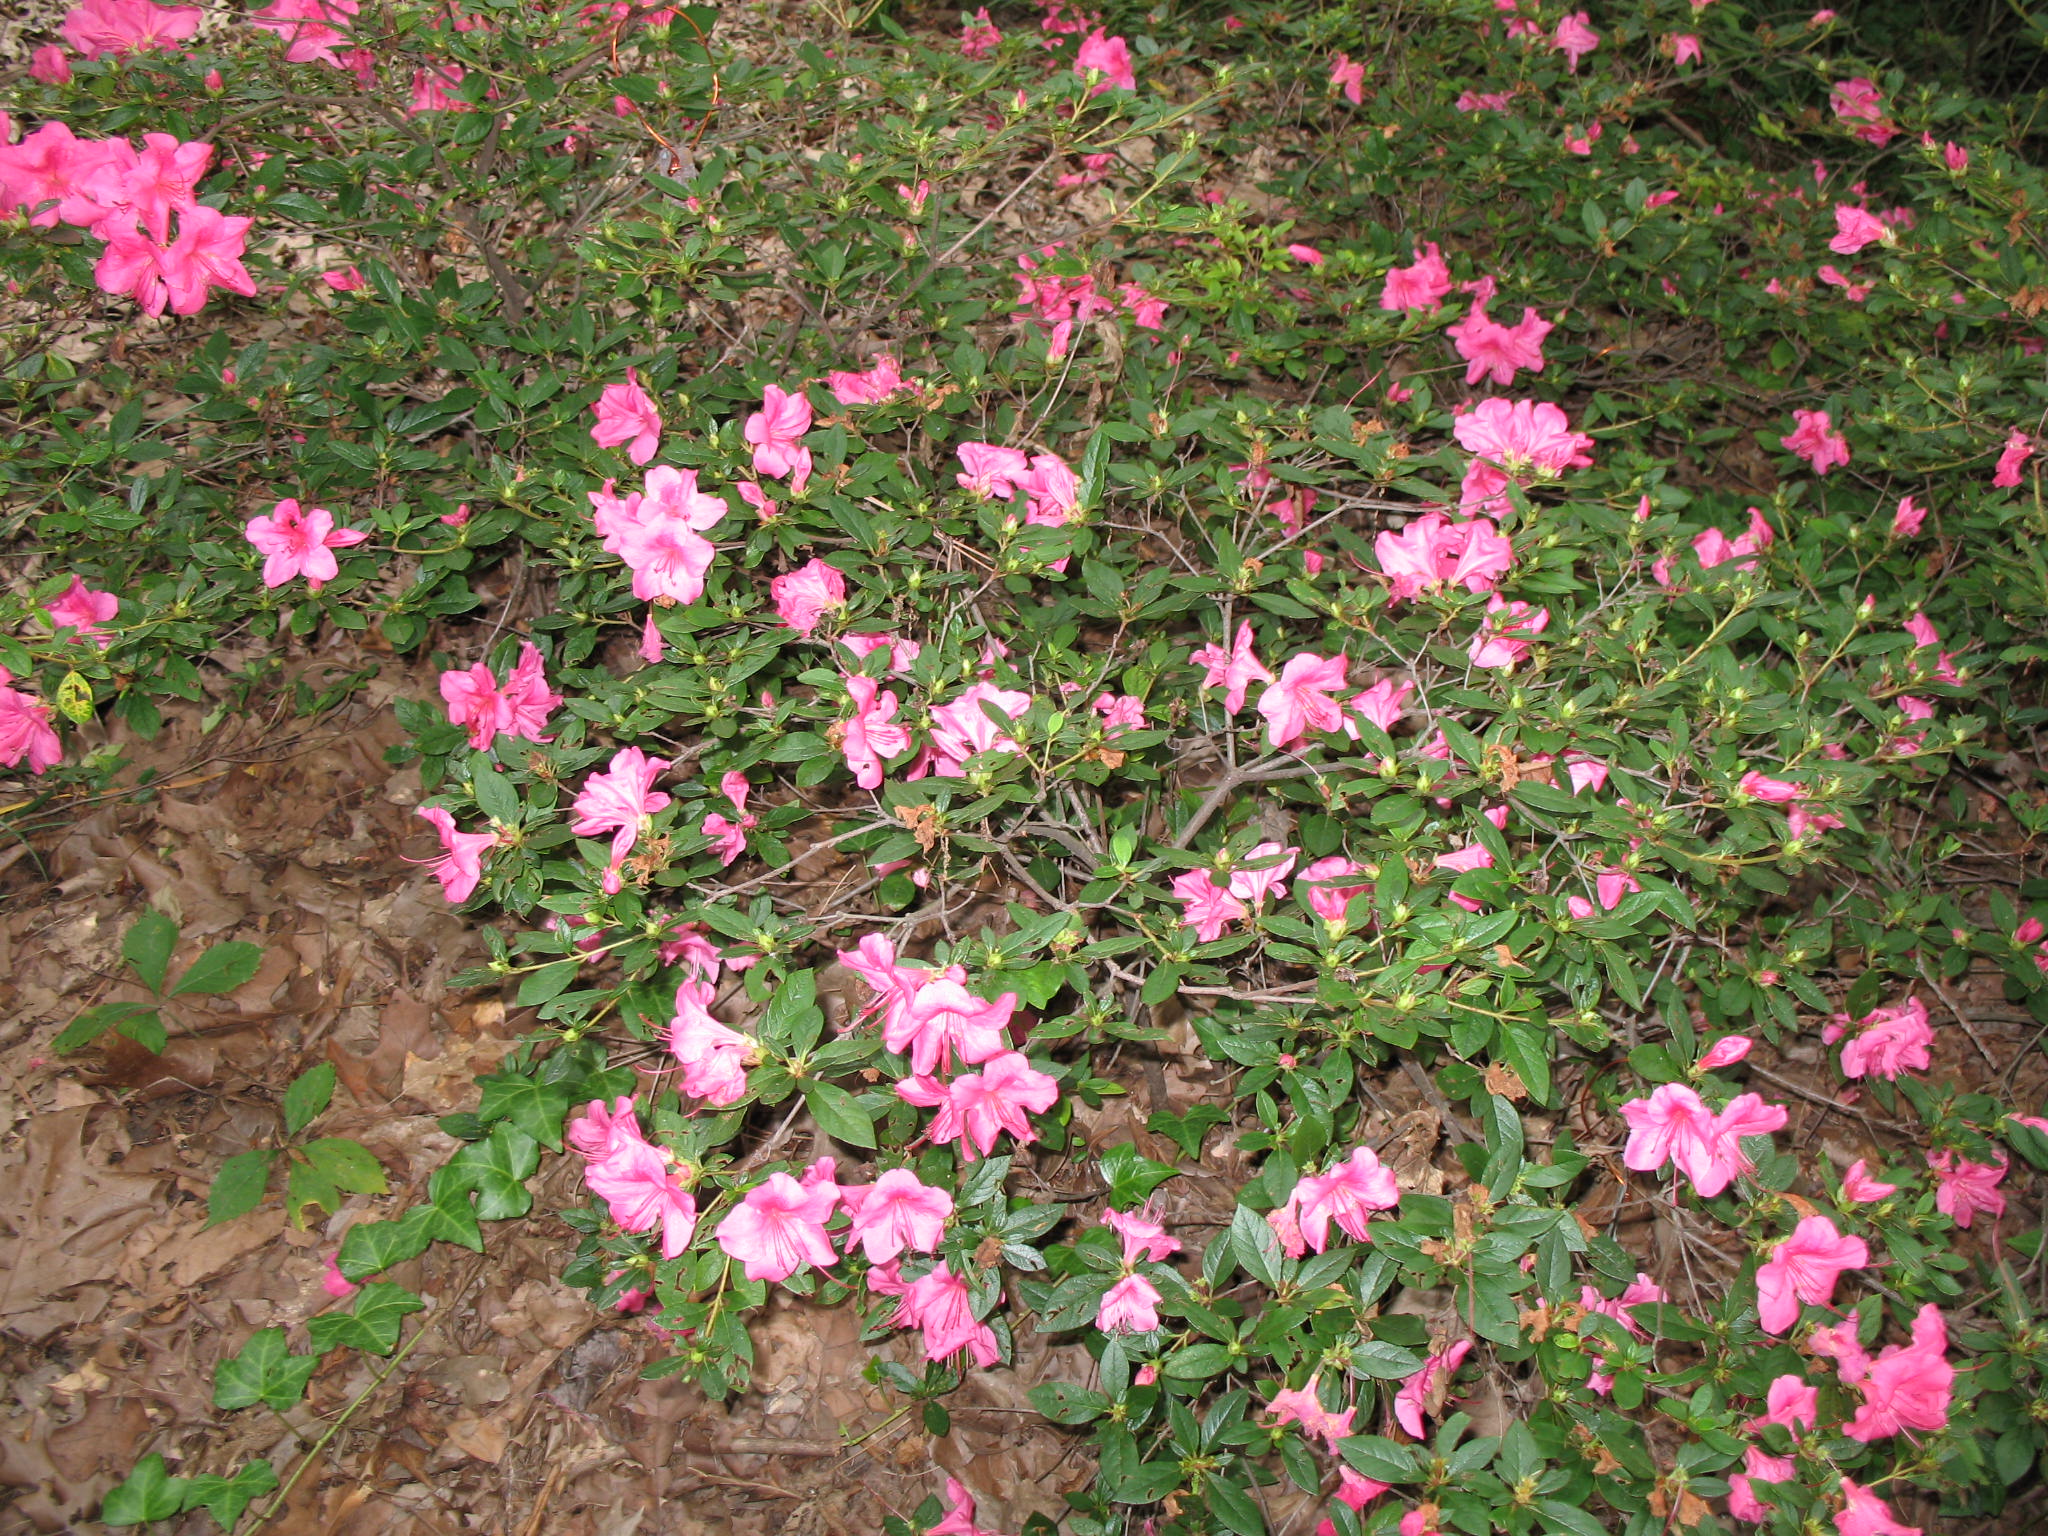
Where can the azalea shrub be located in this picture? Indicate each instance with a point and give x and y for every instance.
(1445, 565)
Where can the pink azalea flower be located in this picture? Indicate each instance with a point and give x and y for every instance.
(1503, 638)
(1129, 1306)
(619, 801)
(1575, 38)
(1758, 786)
(1147, 310)
(1865, 1514)
(1725, 1052)
(959, 1520)
(962, 729)
(1858, 100)
(872, 734)
(1328, 886)
(99, 28)
(940, 1303)
(643, 1192)
(433, 90)
(49, 65)
(2018, 449)
(599, 1130)
(1893, 1040)
(1354, 1492)
(1412, 1400)
(1789, 1402)
(1301, 1405)
(25, 729)
(650, 649)
(1052, 492)
(1348, 76)
(804, 596)
(83, 612)
(520, 708)
(1234, 670)
(1254, 885)
(345, 280)
(991, 471)
(295, 543)
(1207, 908)
(1963, 1188)
(1673, 1125)
(895, 1214)
(1907, 1386)
(1907, 520)
(1758, 1465)
(312, 29)
(1685, 47)
(1307, 255)
(758, 499)
(977, 1108)
(729, 834)
(1300, 700)
(1804, 1269)
(164, 180)
(979, 37)
(1855, 228)
(1955, 157)
(1495, 351)
(659, 534)
(1815, 440)
(1109, 57)
(1421, 286)
(1382, 704)
(1516, 442)
(1143, 1238)
(627, 414)
(780, 1228)
(1488, 101)
(1433, 551)
(1859, 1188)
(942, 1019)
(776, 432)
(714, 1057)
(879, 383)
(460, 866)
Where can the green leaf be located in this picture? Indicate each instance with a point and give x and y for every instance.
(497, 1168)
(1559, 1516)
(371, 1247)
(347, 1165)
(1379, 1459)
(1233, 1507)
(94, 1022)
(1383, 1361)
(225, 1498)
(1198, 1362)
(305, 1185)
(238, 1187)
(1067, 1404)
(792, 1022)
(147, 946)
(839, 1114)
(307, 1097)
(1187, 1131)
(221, 969)
(1255, 1246)
(150, 1493)
(495, 796)
(1130, 1176)
(372, 1325)
(547, 983)
(537, 1108)
(264, 1372)
(1527, 1050)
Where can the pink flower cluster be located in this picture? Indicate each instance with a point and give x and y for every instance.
(1131, 1305)
(1515, 442)
(25, 730)
(1889, 1041)
(487, 710)
(659, 532)
(130, 199)
(641, 1184)
(1712, 547)
(1674, 1126)
(298, 542)
(1346, 1195)
(1057, 304)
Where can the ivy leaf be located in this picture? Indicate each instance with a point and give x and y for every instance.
(147, 946)
(537, 1108)
(226, 1497)
(221, 969)
(264, 1372)
(238, 1187)
(497, 1169)
(307, 1097)
(839, 1114)
(372, 1325)
(371, 1247)
(1187, 1131)
(150, 1493)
